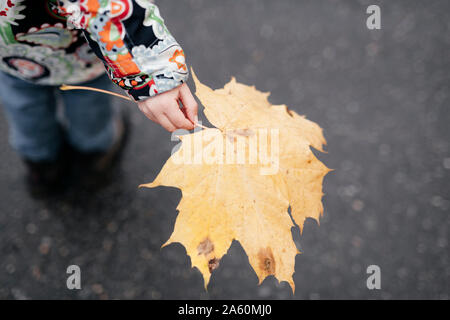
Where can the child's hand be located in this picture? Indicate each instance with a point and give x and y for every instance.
(165, 110)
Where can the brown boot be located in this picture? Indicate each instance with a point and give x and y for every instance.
(96, 168)
(48, 178)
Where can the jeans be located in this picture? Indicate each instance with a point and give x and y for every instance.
(36, 131)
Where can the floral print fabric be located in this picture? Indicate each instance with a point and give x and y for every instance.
(44, 41)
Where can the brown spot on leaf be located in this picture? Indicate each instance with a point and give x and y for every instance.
(289, 112)
(232, 134)
(213, 264)
(244, 132)
(266, 261)
(231, 138)
(205, 247)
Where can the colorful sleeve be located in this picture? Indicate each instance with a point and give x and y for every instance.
(139, 53)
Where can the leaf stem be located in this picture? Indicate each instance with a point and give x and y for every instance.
(65, 87)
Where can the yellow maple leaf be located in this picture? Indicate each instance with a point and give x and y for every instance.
(239, 179)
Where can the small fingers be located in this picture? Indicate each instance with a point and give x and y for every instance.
(189, 103)
(166, 123)
(165, 110)
(178, 119)
(148, 114)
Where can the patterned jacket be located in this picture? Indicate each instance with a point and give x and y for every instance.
(51, 42)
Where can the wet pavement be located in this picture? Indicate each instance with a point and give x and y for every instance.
(382, 98)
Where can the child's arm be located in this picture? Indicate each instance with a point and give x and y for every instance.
(140, 55)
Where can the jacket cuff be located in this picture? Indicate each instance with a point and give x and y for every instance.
(155, 86)
(161, 67)
(143, 86)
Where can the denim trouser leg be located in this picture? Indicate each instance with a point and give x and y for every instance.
(34, 128)
(90, 116)
(31, 112)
